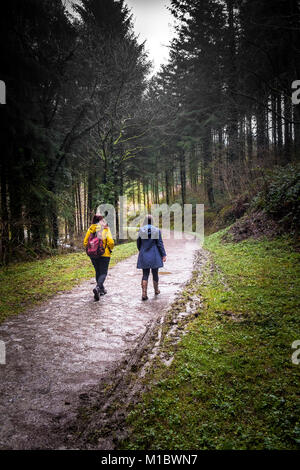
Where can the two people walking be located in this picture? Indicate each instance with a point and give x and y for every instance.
(99, 244)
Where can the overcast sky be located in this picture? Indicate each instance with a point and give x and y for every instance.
(153, 23)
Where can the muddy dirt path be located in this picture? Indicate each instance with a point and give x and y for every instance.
(59, 351)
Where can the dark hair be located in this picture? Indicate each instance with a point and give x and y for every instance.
(148, 220)
(97, 218)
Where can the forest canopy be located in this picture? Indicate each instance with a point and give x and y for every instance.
(85, 122)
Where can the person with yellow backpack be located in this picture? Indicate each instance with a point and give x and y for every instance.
(99, 244)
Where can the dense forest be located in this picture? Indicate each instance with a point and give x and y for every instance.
(85, 122)
(207, 356)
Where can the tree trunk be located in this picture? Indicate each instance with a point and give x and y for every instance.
(90, 193)
(133, 195)
(139, 193)
(274, 126)
(71, 223)
(287, 128)
(207, 160)
(297, 132)
(279, 126)
(148, 196)
(145, 192)
(242, 141)
(261, 132)
(15, 184)
(249, 139)
(53, 216)
(167, 187)
(78, 187)
(85, 203)
(233, 144)
(4, 217)
(182, 176)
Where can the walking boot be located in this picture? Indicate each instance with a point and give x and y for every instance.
(96, 293)
(144, 290)
(102, 291)
(156, 289)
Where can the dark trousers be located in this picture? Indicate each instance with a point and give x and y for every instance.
(146, 273)
(101, 268)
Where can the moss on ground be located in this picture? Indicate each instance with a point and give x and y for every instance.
(232, 384)
(24, 284)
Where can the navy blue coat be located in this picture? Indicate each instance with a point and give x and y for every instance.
(151, 248)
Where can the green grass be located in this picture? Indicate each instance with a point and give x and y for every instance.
(24, 284)
(232, 384)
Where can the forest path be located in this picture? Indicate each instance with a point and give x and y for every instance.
(61, 349)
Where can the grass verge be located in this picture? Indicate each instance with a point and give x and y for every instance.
(24, 284)
(232, 384)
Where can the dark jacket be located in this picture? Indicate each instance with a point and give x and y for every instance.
(151, 248)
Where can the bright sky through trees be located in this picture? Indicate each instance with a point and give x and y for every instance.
(153, 22)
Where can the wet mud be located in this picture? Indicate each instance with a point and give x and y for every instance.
(59, 353)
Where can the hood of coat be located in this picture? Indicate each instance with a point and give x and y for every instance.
(149, 229)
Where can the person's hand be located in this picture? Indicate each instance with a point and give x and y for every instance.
(164, 259)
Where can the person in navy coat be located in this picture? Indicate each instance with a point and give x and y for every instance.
(152, 254)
